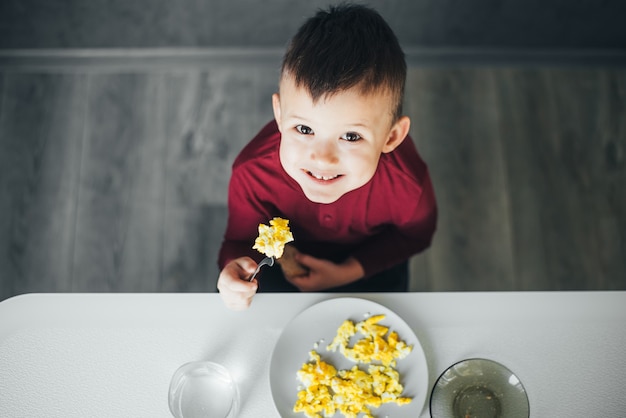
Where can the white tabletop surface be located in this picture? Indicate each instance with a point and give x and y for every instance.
(112, 355)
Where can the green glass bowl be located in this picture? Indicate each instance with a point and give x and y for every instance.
(478, 388)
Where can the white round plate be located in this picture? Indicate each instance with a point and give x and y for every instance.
(320, 322)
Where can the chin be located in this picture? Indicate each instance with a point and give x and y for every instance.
(322, 198)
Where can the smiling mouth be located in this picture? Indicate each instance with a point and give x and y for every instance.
(321, 177)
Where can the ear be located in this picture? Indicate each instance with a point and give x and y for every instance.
(276, 107)
(398, 132)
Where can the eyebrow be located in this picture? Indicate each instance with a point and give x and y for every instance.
(359, 125)
(297, 117)
(355, 125)
(352, 124)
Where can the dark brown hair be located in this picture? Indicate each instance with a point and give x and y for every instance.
(347, 46)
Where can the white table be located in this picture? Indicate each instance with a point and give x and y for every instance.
(112, 355)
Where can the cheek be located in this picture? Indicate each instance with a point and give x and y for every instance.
(288, 154)
(363, 162)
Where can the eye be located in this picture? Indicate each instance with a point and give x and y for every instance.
(304, 130)
(351, 136)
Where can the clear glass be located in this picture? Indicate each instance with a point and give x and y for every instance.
(478, 388)
(203, 389)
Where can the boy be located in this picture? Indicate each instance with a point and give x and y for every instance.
(337, 163)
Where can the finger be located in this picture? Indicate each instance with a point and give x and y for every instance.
(230, 280)
(301, 282)
(307, 260)
(239, 285)
(241, 268)
(237, 304)
(237, 299)
(246, 264)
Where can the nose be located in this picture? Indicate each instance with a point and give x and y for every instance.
(325, 152)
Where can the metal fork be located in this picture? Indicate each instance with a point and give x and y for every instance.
(267, 261)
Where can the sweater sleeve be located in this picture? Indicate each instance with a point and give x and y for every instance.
(246, 207)
(410, 235)
(245, 212)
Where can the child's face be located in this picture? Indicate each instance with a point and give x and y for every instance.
(332, 147)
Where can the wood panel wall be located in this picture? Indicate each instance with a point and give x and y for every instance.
(116, 181)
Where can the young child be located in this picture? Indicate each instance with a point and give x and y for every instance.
(337, 163)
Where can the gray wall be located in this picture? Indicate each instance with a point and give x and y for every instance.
(114, 164)
(499, 24)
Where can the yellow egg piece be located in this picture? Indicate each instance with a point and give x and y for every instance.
(272, 239)
(354, 391)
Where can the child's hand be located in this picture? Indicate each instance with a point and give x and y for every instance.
(324, 274)
(236, 291)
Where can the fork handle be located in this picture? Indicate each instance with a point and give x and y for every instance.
(267, 261)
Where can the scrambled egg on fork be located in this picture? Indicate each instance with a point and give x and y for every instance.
(272, 239)
(351, 392)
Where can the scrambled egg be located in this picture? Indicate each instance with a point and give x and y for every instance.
(272, 239)
(351, 392)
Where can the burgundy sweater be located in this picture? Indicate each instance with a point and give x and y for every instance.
(382, 223)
